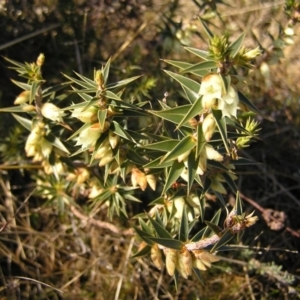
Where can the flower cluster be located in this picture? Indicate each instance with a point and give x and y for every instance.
(36, 144)
(141, 179)
(182, 260)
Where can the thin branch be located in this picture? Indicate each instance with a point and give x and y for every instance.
(124, 268)
(28, 36)
(100, 224)
(262, 210)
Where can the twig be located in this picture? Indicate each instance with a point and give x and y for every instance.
(273, 178)
(28, 36)
(12, 218)
(124, 269)
(99, 223)
(249, 283)
(248, 9)
(39, 282)
(80, 274)
(262, 210)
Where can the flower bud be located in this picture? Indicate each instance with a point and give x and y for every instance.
(289, 40)
(252, 53)
(202, 161)
(187, 261)
(34, 140)
(250, 220)
(113, 139)
(151, 179)
(138, 178)
(265, 70)
(205, 257)
(103, 148)
(212, 154)
(208, 126)
(88, 137)
(28, 108)
(95, 191)
(107, 158)
(199, 171)
(184, 175)
(23, 98)
(181, 266)
(171, 260)
(197, 263)
(179, 204)
(58, 168)
(156, 257)
(82, 175)
(52, 112)
(289, 31)
(46, 147)
(40, 60)
(87, 116)
(99, 79)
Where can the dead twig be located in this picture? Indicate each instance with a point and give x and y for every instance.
(269, 216)
(100, 224)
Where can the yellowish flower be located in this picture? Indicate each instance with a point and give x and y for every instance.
(88, 137)
(87, 116)
(208, 126)
(52, 112)
(228, 103)
(23, 97)
(211, 90)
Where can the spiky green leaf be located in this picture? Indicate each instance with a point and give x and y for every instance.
(169, 243)
(235, 47)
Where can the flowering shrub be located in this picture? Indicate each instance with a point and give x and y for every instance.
(188, 152)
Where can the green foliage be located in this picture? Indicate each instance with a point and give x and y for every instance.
(196, 156)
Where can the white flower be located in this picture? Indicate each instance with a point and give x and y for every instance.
(289, 31)
(179, 204)
(106, 158)
(34, 143)
(35, 136)
(208, 126)
(228, 103)
(100, 152)
(23, 97)
(184, 175)
(30, 149)
(213, 154)
(52, 112)
(46, 147)
(113, 139)
(56, 168)
(88, 137)
(252, 53)
(211, 89)
(87, 116)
